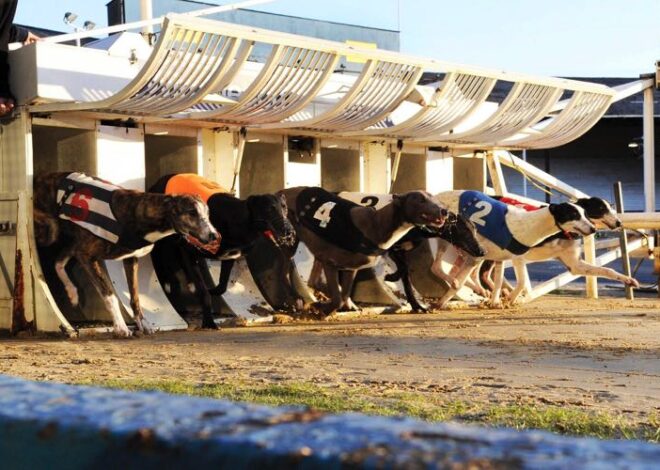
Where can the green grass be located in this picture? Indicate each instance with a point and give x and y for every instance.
(427, 406)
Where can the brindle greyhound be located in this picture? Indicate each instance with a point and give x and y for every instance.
(241, 223)
(143, 217)
(345, 236)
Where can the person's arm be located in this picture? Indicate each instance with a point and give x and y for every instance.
(18, 34)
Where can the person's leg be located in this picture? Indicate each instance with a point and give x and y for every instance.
(7, 12)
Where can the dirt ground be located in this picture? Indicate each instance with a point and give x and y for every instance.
(597, 355)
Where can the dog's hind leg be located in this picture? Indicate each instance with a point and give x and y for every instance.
(315, 275)
(103, 285)
(131, 271)
(60, 268)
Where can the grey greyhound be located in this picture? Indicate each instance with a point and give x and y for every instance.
(347, 237)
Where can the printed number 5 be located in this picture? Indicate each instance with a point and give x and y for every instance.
(323, 213)
(478, 217)
(79, 201)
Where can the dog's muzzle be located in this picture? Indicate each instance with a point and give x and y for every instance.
(212, 245)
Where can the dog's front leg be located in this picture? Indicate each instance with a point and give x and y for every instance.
(579, 267)
(131, 271)
(399, 258)
(521, 279)
(314, 280)
(332, 278)
(347, 280)
(103, 285)
(495, 298)
(226, 266)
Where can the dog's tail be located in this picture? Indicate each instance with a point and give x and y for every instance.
(46, 228)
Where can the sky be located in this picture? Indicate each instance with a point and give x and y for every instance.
(577, 38)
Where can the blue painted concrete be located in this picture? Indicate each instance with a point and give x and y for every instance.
(46, 425)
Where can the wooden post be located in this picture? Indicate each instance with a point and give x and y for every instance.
(618, 197)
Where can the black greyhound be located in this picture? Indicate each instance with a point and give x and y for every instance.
(344, 236)
(457, 230)
(241, 222)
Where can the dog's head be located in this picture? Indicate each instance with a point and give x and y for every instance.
(268, 214)
(598, 209)
(461, 232)
(189, 217)
(571, 218)
(419, 208)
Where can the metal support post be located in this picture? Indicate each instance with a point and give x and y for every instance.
(625, 258)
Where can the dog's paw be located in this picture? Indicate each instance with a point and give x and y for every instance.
(631, 281)
(121, 331)
(146, 328)
(349, 306)
(495, 304)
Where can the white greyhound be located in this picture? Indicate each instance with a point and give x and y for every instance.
(567, 249)
(508, 232)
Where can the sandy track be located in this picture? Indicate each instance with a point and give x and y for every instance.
(600, 355)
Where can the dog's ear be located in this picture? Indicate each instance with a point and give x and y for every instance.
(553, 208)
(398, 200)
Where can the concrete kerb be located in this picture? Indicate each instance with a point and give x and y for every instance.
(64, 426)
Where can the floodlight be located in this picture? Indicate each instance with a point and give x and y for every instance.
(70, 17)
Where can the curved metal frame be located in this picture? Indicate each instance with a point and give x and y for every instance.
(196, 58)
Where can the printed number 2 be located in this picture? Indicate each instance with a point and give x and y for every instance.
(323, 213)
(484, 209)
(79, 201)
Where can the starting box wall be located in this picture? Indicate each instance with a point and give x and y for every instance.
(262, 170)
(340, 168)
(412, 173)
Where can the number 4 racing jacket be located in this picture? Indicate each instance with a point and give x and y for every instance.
(328, 216)
(87, 202)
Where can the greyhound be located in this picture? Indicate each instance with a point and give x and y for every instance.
(241, 223)
(345, 236)
(566, 247)
(508, 232)
(457, 230)
(66, 202)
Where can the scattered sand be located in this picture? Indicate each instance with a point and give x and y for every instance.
(598, 355)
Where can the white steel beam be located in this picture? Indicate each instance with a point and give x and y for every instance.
(649, 151)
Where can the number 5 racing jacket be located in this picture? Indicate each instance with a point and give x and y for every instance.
(87, 202)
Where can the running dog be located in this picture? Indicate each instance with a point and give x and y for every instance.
(457, 230)
(566, 247)
(99, 221)
(344, 236)
(241, 223)
(508, 232)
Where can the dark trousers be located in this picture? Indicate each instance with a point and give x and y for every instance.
(7, 34)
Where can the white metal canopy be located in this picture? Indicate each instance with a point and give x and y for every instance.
(196, 61)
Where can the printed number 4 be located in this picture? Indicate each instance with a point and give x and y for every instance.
(323, 213)
(484, 209)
